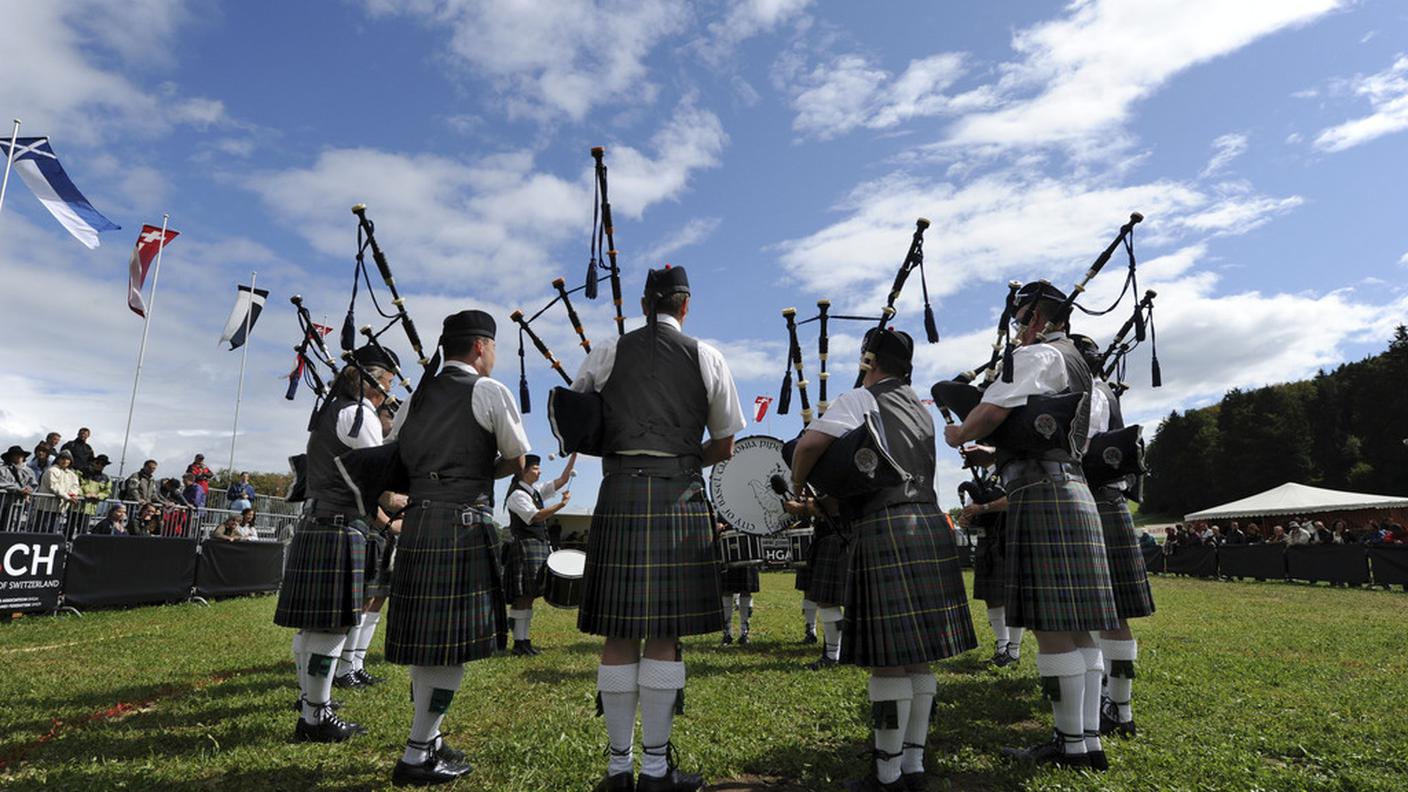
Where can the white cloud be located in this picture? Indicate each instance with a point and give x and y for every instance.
(747, 18)
(691, 233)
(1403, 259)
(1225, 149)
(1387, 92)
(851, 92)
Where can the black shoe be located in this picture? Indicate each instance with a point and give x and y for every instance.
(367, 679)
(914, 782)
(672, 781)
(447, 754)
(727, 639)
(522, 649)
(332, 730)
(872, 784)
(430, 772)
(822, 663)
(1110, 722)
(621, 782)
(1097, 760)
(1001, 659)
(743, 639)
(348, 681)
(810, 637)
(1050, 752)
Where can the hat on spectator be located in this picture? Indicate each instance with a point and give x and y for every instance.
(66, 454)
(13, 450)
(101, 459)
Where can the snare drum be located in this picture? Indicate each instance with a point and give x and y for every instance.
(739, 549)
(801, 541)
(562, 583)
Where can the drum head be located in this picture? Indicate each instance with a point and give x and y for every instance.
(568, 563)
(741, 488)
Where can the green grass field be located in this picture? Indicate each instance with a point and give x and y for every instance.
(1241, 686)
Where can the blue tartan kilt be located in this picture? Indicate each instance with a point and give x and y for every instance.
(1058, 579)
(829, 563)
(651, 569)
(1128, 577)
(990, 566)
(905, 600)
(739, 580)
(323, 576)
(446, 604)
(525, 564)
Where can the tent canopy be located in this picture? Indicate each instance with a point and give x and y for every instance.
(1290, 498)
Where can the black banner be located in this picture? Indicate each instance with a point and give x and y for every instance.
(1260, 561)
(1198, 561)
(1333, 563)
(31, 571)
(1153, 558)
(1390, 564)
(129, 570)
(246, 567)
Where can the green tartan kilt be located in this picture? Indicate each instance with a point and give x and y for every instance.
(525, 564)
(446, 604)
(651, 570)
(381, 549)
(739, 580)
(905, 601)
(323, 576)
(990, 566)
(1057, 577)
(829, 562)
(1128, 577)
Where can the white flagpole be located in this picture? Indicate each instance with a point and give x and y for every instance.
(239, 392)
(9, 161)
(142, 352)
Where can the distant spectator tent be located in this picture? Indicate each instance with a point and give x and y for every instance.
(1298, 500)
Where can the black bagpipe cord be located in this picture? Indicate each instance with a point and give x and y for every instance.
(523, 399)
(596, 241)
(931, 328)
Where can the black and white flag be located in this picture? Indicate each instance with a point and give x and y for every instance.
(248, 304)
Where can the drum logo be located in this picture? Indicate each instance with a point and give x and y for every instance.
(1112, 457)
(1045, 425)
(867, 461)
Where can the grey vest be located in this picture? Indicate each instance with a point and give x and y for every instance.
(1078, 380)
(655, 399)
(448, 456)
(520, 529)
(325, 484)
(909, 437)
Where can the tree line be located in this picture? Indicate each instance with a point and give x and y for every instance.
(1344, 429)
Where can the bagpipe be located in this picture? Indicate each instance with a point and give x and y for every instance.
(313, 352)
(366, 239)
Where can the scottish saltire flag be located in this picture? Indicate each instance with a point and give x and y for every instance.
(36, 164)
(148, 243)
(249, 302)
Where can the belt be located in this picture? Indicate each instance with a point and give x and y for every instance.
(643, 465)
(469, 514)
(337, 514)
(1024, 471)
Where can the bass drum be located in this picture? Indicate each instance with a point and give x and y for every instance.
(742, 490)
(562, 584)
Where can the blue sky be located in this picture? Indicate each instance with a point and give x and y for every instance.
(780, 149)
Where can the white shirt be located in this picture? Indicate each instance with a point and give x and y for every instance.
(725, 410)
(370, 436)
(520, 503)
(848, 412)
(494, 410)
(1037, 370)
(1099, 412)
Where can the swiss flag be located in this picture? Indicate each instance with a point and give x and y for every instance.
(762, 402)
(148, 243)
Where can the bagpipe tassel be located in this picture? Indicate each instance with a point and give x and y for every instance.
(931, 328)
(349, 332)
(591, 280)
(784, 397)
(1007, 363)
(1138, 324)
(1155, 375)
(524, 402)
(292, 384)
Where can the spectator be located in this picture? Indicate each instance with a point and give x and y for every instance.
(96, 485)
(193, 493)
(1147, 540)
(61, 482)
(1340, 534)
(1395, 534)
(202, 474)
(1278, 535)
(229, 530)
(1235, 535)
(241, 494)
(170, 493)
(247, 518)
(1323, 535)
(1254, 534)
(148, 520)
(141, 486)
(82, 452)
(113, 523)
(42, 461)
(17, 483)
(1300, 534)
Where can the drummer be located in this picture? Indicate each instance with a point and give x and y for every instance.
(528, 552)
(738, 584)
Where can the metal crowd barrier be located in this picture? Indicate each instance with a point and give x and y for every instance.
(50, 514)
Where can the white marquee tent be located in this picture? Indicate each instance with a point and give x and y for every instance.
(1290, 498)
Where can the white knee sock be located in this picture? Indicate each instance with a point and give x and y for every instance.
(1014, 639)
(364, 638)
(1090, 712)
(745, 611)
(997, 617)
(300, 660)
(349, 647)
(660, 681)
(890, 700)
(1063, 675)
(727, 601)
(522, 622)
(831, 624)
(321, 650)
(432, 688)
(925, 687)
(809, 614)
(1121, 656)
(619, 689)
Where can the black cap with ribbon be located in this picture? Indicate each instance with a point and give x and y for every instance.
(892, 348)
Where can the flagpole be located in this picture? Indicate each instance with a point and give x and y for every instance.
(9, 162)
(142, 352)
(239, 391)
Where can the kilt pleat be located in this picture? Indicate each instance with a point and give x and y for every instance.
(829, 562)
(651, 568)
(1128, 577)
(323, 576)
(446, 593)
(739, 580)
(803, 578)
(525, 560)
(381, 548)
(905, 601)
(990, 566)
(1057, 576)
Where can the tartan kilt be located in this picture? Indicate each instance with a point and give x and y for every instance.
(446, 604)
(652, 569)
(739, 580)
(525, 564)
(1057, 576)
(381, 550)
(1128, 577)
(905, 601)
(323, 576)
(803, 578)
(829, 562)
(990, 566)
